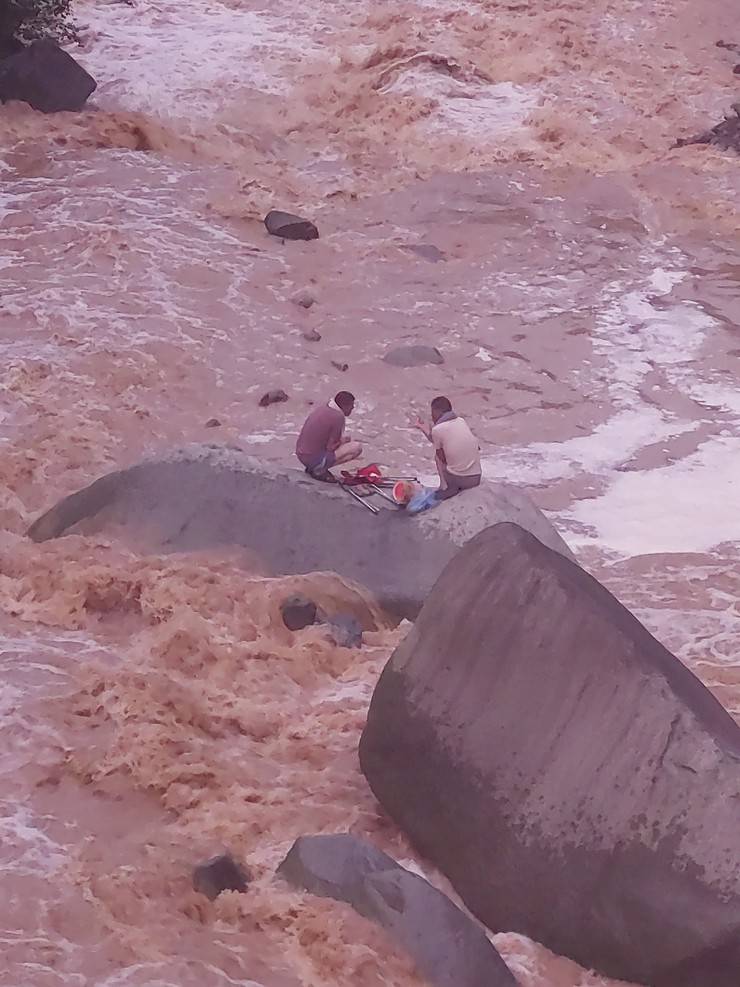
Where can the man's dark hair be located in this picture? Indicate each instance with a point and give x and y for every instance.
(344, 399)
(441, 405)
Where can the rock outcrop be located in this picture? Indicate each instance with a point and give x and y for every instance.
(572, 778)
(45, 77)
(210, 496)
(448, 947)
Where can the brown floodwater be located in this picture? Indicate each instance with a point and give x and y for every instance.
(492, 178)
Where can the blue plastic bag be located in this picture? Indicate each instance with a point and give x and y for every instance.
(422, 501)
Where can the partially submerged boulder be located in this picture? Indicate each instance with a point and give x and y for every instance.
(415, 355)
(725, 135)
(448, 947)
(208, 496)
(345, 630)
(289, 227)
(573, 779)
(298, 612)
(221, 873)
(45, 77)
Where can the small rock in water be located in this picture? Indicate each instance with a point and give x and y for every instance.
(213, 423)
(219, 874)
(45, 77)
(298, 612)
(428, 251)
(289, 227)
(304, 298)
(345, 631)
(415, 355)
(312, 335)
(725, 135)
(273, 397)
(340, 366)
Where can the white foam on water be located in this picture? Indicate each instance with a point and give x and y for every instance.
(170, 59)
(25, 847)
(689, 506)
(466, 106)
(169, 973)
(609, 445)
(635, 335)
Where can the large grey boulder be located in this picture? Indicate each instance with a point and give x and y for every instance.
(573, 779)
(448, 947)
(46, 77)
(206, 496)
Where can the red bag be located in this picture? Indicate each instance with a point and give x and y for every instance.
(367, 474)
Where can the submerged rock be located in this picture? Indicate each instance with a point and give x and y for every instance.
(289, 227)
(45, 77)
(345, 630)
(428, 251)
(726, 135)
(312, 336)
(571, 777)
(298, 612)
(304, 298)
(448, 947)
(219, 874)
(416, 355)
(206, 497)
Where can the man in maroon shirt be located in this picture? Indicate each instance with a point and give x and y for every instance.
(322, 442)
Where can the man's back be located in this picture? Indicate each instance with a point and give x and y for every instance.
(321, 432)
(460, 446)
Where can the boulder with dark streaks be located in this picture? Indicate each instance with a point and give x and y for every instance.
(572, 778)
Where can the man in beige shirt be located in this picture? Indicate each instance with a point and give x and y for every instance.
(457, 454)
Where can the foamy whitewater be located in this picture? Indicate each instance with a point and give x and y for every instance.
(584, 292)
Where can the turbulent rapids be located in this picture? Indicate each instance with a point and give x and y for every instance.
(505, 182)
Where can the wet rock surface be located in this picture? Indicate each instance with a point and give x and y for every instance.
(45, 77)
(449, 948)
(531, 736)
(208, 496)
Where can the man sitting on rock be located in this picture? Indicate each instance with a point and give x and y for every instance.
(457, 454)
(322, 443)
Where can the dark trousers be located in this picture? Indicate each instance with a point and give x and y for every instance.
(456, 484)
